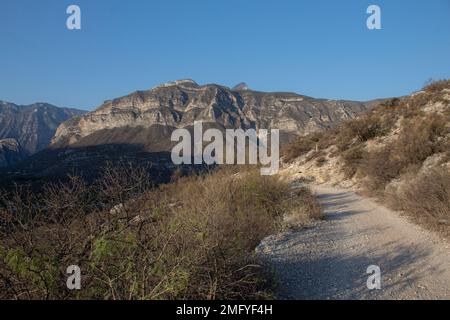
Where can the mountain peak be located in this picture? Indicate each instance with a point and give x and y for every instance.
(241, 86)
(182, 82)
(32, 126)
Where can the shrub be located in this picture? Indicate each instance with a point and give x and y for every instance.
(390, 103)
(352, 160)
(305, 144)
(320, 161)
(191, 239)
(380, 167)
(362, 129)
(303, 209)
(426, 198)
(419, 139)
(436, 85)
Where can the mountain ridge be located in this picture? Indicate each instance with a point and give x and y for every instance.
(178, 104)
(32, 126)
(137, 128)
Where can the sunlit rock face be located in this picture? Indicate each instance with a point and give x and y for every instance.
(179, 103)
(137, 128)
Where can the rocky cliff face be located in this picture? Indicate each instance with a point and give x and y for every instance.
(32, 126)
(11, 153)
(178, 104)
(137, 128)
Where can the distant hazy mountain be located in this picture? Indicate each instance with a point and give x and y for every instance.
(32, 126)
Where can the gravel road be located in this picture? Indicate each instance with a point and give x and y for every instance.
(329, 260)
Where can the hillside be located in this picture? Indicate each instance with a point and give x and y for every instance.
(398, 152)
(11, 152)
(191, 239)
(32, 126)
(178, 104)
(137, 128)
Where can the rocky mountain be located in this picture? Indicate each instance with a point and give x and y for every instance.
(137, 127)
(241, 86)
(11, 153)
(32, 126)
(178, 104)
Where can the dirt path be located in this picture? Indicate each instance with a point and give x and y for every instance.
(329, 260)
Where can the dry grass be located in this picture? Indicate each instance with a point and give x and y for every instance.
(357, 131)
(391, 143)
(426, 198)
(352, 158)
(302, 145)
(191, 239)
(436, 86)
(303, 210)
(420, 138)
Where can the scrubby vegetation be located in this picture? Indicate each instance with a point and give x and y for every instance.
(315, 141)
(399, 150)
(436, 86)
(190, 239)
(426, 198)
(303, 209)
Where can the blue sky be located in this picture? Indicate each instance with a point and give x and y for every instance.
(320, 48)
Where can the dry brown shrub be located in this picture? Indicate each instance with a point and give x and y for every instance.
(437, 85)
(192, 239)
(419, 139)
(426, 198)
(352, 160)
(302, 145)
(304, 209)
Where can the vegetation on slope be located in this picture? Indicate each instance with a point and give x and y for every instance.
(190, 239)
(398, 151)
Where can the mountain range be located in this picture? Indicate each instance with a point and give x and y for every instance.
(138, 126)
(178, 104)
(27, 129)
